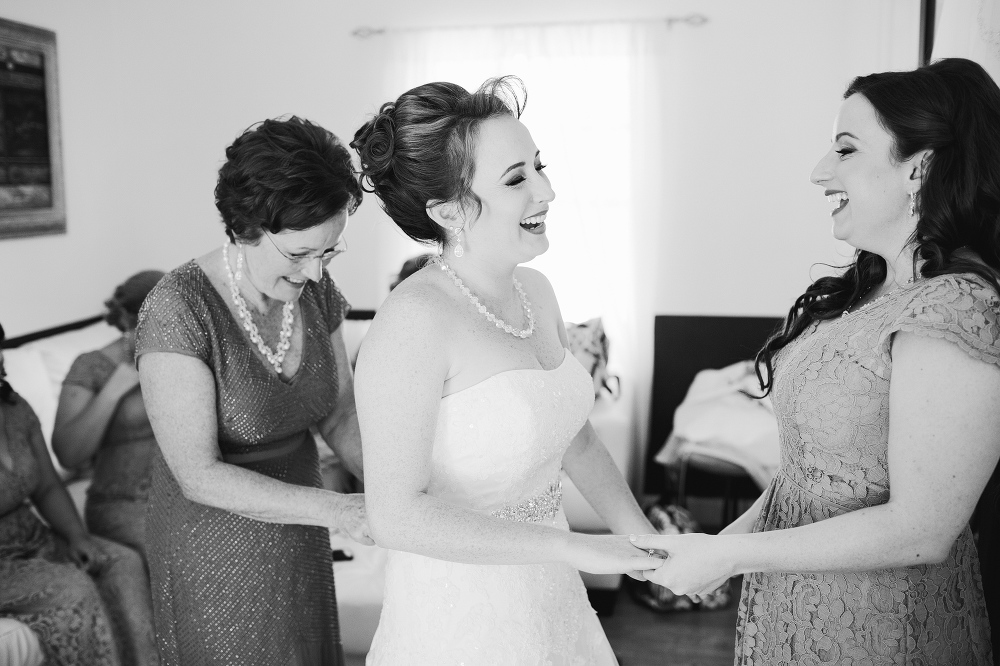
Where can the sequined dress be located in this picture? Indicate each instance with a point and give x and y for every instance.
(831, 397)
(228, 589)
(97, 619)
(116, 498)
(498, 450)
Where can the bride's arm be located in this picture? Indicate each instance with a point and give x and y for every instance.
(593, 471)
(400, 373)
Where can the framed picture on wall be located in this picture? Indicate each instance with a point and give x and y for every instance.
(32, 199)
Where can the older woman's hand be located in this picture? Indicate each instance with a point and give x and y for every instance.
(352, 519)
(696, 563)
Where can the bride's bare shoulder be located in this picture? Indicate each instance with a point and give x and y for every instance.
(416, 311)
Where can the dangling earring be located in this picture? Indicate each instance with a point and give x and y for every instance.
(913, 203)
(458, 250)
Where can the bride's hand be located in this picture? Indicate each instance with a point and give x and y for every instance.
(352, 519)
(696, 565)
(607, 554)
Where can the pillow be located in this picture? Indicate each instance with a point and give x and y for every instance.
(589, 344)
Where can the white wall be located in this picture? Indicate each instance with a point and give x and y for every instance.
(152, 93)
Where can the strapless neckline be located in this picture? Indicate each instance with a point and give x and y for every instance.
(503, 373)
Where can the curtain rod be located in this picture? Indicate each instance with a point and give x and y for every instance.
(694, 20)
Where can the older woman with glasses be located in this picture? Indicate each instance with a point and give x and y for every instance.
(240, 355)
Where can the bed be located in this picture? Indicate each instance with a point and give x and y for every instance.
(683, 346)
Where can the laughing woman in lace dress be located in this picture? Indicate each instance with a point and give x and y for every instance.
(886, 381)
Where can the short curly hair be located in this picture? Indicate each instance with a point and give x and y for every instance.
(421, 148)
(284, 174)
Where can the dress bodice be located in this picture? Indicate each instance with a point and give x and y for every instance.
(501, 441)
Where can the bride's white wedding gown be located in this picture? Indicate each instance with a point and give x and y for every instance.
(498, 450)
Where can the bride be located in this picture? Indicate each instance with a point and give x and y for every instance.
(470, 404)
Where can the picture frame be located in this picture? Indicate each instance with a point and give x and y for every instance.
(32, 195)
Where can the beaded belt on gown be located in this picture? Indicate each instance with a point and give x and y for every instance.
(541, 507)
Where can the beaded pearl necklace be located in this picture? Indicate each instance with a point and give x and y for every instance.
(874, 301)
(500, 323)
(275, 357)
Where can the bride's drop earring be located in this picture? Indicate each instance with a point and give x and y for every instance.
(913, 203)
(458, 250)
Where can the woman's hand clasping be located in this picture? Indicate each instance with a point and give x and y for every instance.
(696, 564)
(353, 520)
(608, 554)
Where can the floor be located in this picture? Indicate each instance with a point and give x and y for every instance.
(641, 637)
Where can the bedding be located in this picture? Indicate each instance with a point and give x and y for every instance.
(722, 418)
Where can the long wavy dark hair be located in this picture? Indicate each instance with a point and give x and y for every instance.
(5, 388)
(951, 107)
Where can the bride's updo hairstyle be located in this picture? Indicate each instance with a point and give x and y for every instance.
(951, 107)
(421, 149)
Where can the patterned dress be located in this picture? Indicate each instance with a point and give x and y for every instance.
(228, 589)
(116, 498)
(39, 584)
(831, 396)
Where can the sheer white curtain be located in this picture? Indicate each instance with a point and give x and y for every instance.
(592, 101)
(969, 29)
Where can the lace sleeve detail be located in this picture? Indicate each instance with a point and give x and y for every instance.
(173, 317)
(332, 303)
(90, 371)
(958, 308)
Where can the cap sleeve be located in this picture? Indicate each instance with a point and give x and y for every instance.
(90, 371)
(173, 317)
(960, 309)
(333, 304)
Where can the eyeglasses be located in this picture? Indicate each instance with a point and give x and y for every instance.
(324, 258)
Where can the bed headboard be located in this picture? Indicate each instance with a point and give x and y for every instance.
(684, 345)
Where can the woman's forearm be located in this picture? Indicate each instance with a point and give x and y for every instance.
(57, 508)
(429, 526)
(76, 440)
(260, 497)
(593, 471)
(878, 537)
(343, 435)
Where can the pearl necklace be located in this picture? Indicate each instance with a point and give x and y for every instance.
(284, 339)
(500, 323)
(873, 302)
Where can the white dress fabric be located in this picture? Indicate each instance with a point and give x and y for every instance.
(498, 450)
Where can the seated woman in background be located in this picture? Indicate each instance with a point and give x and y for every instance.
(102, 421)
(886, 382)
(44, 579)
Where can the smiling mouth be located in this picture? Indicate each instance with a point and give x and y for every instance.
(838, 200)
(293, 281)
(532, 223)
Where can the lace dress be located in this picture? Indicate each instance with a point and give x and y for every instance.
(228, 589)
(498, 450)
(831, 397)
(116, 498)
(78, 619)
